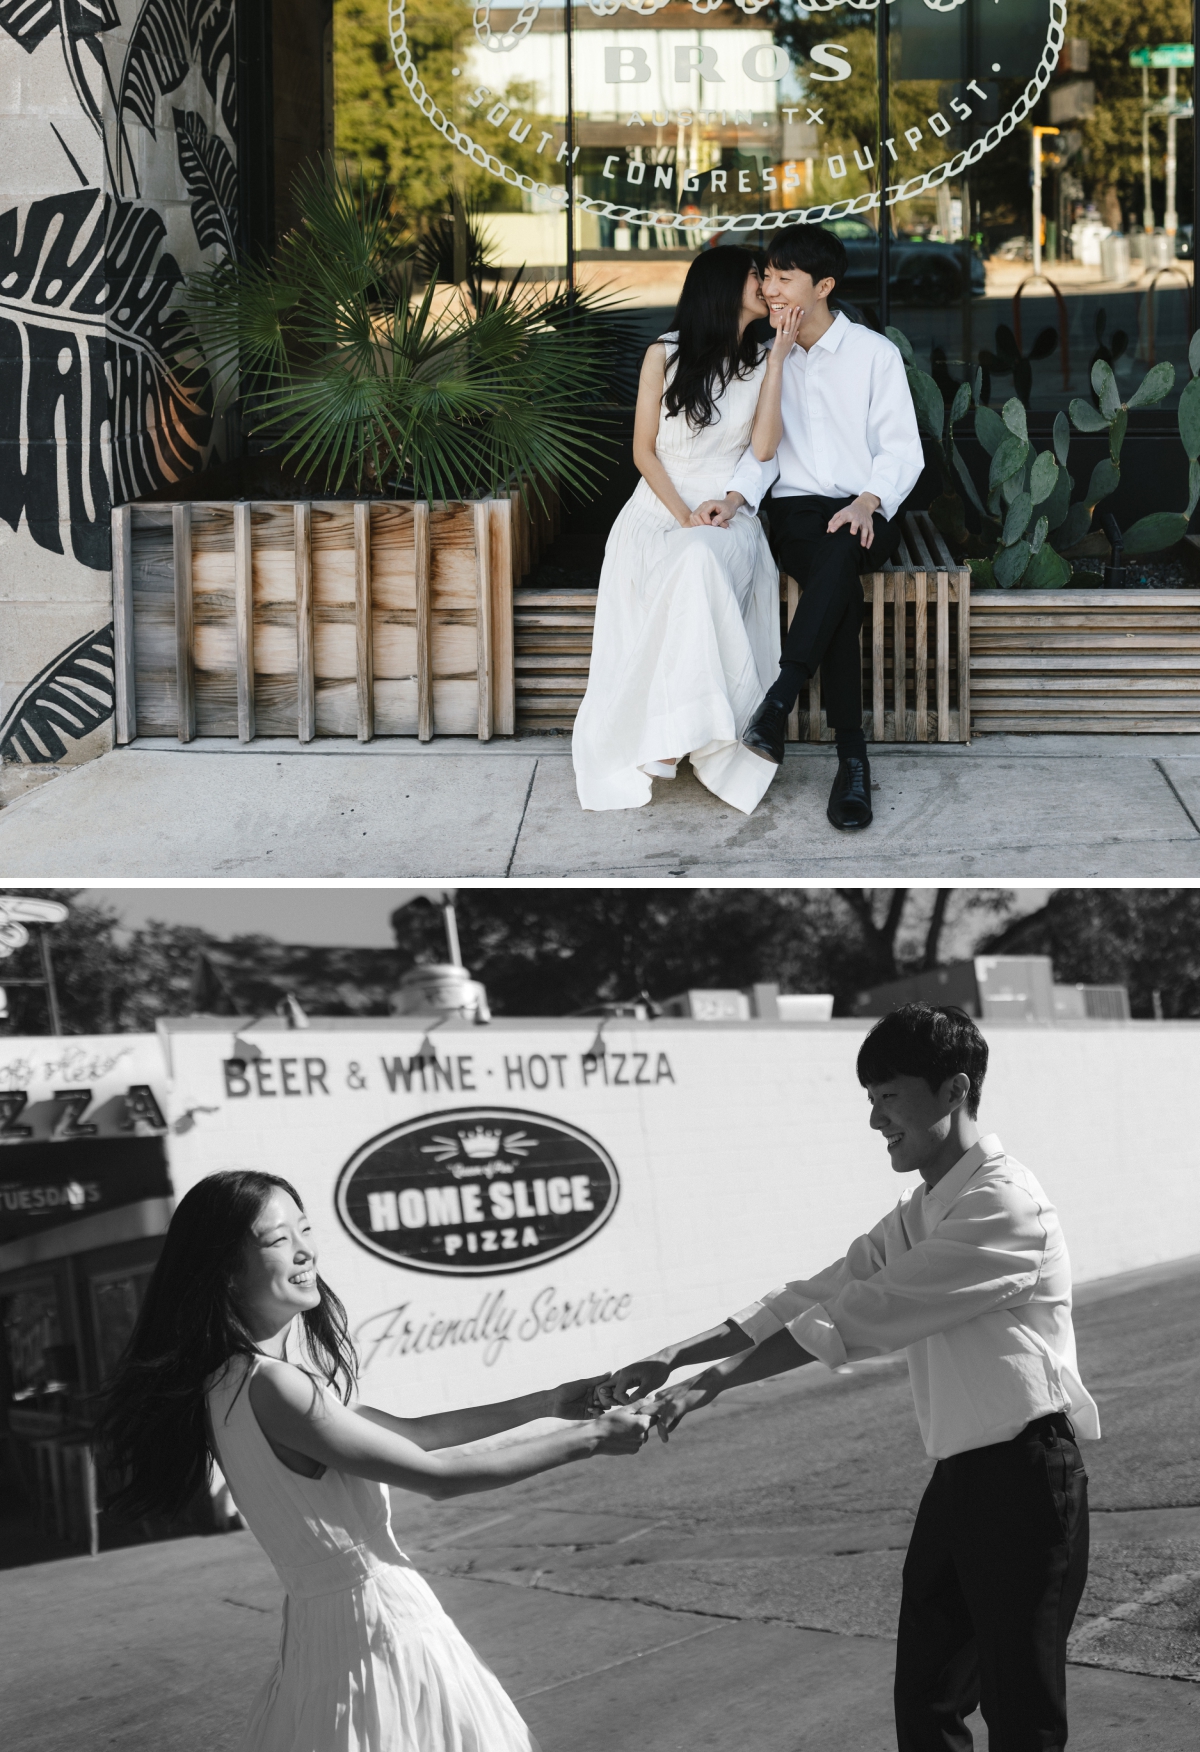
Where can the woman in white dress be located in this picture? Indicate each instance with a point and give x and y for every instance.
(241, 1356)
(687, 615)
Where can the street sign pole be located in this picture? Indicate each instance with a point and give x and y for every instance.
(1147, 202)
(1037, 195)
(1170, 217)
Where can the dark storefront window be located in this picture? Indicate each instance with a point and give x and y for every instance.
(117, 1298)
(695, 120)
(33, 1340)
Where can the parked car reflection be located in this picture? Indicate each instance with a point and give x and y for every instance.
(922, 271)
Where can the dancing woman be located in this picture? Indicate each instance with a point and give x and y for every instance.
(687, 617)
(241, 1355)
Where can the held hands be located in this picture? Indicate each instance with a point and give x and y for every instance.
(632, 1383)
(858, 515)
(717, 513)
(621, 1431)
(581, 1399)
(673, 1405)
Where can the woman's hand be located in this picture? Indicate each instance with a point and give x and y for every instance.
(580, 1399)
(620, 1431)
(716, 513)
(858, 514)
(785, 336)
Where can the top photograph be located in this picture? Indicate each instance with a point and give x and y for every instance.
(599, 439)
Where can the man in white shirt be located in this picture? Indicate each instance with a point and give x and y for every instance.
(969, 1274)
(849, 456)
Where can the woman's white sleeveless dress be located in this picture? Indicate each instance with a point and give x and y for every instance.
(369, 1661)
(687, 627)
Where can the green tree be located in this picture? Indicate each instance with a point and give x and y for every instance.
(543, 954)
(378, 125)
(1147, 939)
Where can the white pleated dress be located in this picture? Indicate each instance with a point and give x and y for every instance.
(369, 1661)
(687, 627)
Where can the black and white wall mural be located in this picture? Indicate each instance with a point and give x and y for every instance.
(127, 188)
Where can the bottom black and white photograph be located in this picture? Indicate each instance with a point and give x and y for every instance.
(590, 1318)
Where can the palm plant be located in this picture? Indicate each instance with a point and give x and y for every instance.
(360, 378)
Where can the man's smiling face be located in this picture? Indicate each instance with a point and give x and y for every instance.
(915, 1120)
(791, 288)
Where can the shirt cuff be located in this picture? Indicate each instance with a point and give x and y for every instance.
(757, 1322)
(815, 1332)
(751, 478)
(885, 492)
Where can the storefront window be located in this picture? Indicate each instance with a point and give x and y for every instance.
(32, 1339)
(1037, 153)
(117, 1298)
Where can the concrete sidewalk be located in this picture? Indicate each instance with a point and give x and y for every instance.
(735, 1589)
(166, 1645)
(1054, 808)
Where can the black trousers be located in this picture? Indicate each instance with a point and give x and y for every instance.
(994, 1574)
(825, 626)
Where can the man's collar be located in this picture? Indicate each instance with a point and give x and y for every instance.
(831, 340)
(942, 1195)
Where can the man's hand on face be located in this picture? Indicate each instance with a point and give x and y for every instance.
(858, 514)
(633, 1382)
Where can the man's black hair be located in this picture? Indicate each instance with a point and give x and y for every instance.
(929, 1041)
(817, 252)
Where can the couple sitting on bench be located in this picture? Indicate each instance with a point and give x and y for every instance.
(686, 658)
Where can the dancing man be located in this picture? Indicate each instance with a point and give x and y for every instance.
(837, 435)
(969, 1274)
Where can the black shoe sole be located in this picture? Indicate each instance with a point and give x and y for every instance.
(762, 753)
(848, 826)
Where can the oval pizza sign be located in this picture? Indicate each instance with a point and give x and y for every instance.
(477, 1190)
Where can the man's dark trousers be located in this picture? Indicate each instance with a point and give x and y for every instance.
(994, 1574)
(825, 627)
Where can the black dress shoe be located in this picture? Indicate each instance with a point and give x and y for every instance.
(765, 732)
(850, 798)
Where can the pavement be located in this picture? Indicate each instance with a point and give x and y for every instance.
(1059, 808)
(735, 1588)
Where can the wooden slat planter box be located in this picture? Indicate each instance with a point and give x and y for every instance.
(319, 618)
(1121, 661)
(919, 604)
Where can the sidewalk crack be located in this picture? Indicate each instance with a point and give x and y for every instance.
(1174, 792)
(517, 840)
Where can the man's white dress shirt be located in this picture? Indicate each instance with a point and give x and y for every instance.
(849, 426)
(972, 1279)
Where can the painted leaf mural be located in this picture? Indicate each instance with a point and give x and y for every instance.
(170, 36)
(89, 349)
(29, 21)
(208, 169)
(101, 400)
(71, 696)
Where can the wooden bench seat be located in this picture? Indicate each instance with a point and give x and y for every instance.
(917, 605)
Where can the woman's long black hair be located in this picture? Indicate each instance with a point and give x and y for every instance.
(151, 1433)
(710, 353)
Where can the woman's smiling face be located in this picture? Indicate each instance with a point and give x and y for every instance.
(754, 304)
(278, 1275)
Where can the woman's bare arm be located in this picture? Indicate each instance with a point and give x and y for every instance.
(295, 1414)
(768, 416)
(651, 384)
(447, 1429)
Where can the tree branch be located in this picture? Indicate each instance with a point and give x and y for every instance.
(933, 934)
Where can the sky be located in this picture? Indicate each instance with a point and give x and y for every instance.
(357, 918)
(341, 917)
